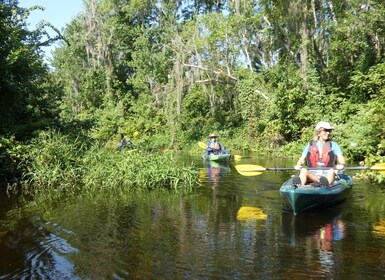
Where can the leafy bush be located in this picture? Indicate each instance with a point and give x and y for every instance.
(10, 154)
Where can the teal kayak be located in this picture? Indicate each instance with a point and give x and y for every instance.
(222, 157)
(306, 197)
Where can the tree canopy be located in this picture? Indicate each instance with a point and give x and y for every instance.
(261, 73)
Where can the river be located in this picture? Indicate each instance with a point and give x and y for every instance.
(199, 235)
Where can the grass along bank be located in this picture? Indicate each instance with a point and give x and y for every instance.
(57, 162)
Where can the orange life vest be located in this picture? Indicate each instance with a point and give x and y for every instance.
(324, 159)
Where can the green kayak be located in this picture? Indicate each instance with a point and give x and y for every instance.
(222, 157)
(306, 197)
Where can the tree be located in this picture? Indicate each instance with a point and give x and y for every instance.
(25, 102)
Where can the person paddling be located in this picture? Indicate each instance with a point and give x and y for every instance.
(320, 153)
(123, 143)
(214, 147)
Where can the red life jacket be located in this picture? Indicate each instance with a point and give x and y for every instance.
(326, 158)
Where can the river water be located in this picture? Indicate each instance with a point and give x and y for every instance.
(200, 235)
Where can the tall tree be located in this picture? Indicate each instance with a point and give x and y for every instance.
(24, 100)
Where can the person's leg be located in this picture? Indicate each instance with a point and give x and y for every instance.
(330, 176)
(307, 177)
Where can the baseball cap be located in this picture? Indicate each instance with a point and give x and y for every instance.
(324, 125)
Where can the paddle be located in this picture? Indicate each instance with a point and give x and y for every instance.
(254, 170)
(202, 145)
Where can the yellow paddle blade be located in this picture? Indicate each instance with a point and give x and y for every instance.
(379, 228)
(248, 213)
(249, 168)
(237, 157)
(248, 173)
(202, 145)
(378, 167)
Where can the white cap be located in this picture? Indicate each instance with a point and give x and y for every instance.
(324, 125)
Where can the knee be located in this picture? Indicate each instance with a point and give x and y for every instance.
(303, 171)
(331, 172)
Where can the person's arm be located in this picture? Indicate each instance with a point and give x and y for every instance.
(302, 159)
(340, 157)
(341, 162)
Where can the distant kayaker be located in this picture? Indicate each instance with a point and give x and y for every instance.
(214, 147)
(320, 153)
(124, 143)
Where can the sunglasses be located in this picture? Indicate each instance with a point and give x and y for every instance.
(328, 130)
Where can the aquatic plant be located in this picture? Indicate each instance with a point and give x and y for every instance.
(57, 162)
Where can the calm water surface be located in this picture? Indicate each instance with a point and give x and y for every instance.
(201, 235)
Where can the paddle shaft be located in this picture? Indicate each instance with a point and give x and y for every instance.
(315, 168)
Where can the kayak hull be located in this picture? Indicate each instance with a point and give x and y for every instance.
(307, 197)
(222, 157)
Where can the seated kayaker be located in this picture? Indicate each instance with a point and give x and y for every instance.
(124, 143)
(214, 147)
(320, 153)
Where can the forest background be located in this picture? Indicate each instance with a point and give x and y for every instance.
(258, 73)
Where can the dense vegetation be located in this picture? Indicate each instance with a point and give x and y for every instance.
(259, 73)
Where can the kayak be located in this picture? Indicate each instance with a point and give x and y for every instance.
(306, 197)
(222, 157)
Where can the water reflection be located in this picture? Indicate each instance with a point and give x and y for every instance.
(379, 228)
(232, 227)
(319, 230)
(35, 248)
(325, 238)
(249, 213)
(297, 227)
(213, 172)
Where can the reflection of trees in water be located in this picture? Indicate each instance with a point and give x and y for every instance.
(197, 235)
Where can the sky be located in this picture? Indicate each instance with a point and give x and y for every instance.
(57, 12)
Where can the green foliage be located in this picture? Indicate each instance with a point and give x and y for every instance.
(260, 74)
(58, 162)
(357, 43)
(52, 161)
(195, 119)
(366, 119)
(364, 87)
(295, 105)
(135, 171)
(26, 98)
(254, 101)
(10, 153)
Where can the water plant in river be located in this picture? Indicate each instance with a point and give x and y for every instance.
(57, 162)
